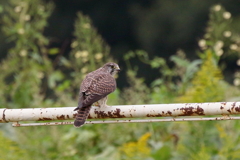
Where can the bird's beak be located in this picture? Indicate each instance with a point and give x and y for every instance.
(117, 69)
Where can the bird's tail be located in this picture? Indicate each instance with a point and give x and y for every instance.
(81, 116)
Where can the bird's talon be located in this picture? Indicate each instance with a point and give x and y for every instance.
(76, 109)
(96, 104)
(105, 106)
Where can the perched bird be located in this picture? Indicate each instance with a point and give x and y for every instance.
(95, 88)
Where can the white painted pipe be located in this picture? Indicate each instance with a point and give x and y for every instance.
(124, 111)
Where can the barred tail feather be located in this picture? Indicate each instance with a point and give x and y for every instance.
(81, 116)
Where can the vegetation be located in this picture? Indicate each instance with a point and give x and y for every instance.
(33, 75)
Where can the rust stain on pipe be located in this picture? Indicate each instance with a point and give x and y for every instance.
(224, 103)
(109, 114)
(44, 119)
(188, 111)
(62, 117)
(237, 109)
(4, 116)
(154, 115)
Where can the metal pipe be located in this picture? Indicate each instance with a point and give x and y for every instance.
(2, 115)
(125, 111)
(39, 114)
(129, 121)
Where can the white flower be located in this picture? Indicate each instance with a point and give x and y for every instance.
(74, 44)
(84, 53)
(226, 15)
(23, 53)
(21, 31)
(77, 54)
(227, 33)
(40, 75)
(202, 43)
(236, 82)
(238, 62)
(99, 56)
(84, 70)
(27, 17)
(217, 8)
(86, 25)
(219, 44)
(219, 52)
(218, 48)
(41, 8)
(18, 9)
(237, 74)
(233, 47)
(4, 66)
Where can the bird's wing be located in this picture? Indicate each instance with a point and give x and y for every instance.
(87, 82)
(101, 85)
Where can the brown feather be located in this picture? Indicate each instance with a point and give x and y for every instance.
(81, 116)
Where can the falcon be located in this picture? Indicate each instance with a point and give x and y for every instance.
(95, 88)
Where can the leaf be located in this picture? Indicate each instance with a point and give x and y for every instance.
(53, 51)
(179, 61)
(162, 153)
(157, 82)
(54, 77)
(158, 62)
(207, 83)
(191, 69)
(129, 55)
(65, 62)
(1, 9)
(66, 84)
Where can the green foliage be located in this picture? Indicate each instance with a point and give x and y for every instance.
(24, 23)
(30, 79)
(27, 61)
(157, 62)
(136, 150)
(219, 35)
(227, 150)
(88, 49)
(160, 93)
(206, 84)
(137, 88)
(185, 69)
(222, 37)
(214, 140)
(10, 150)
(165, 88)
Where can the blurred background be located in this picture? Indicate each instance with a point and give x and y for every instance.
(169, 52)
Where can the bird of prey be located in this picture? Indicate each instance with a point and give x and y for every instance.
(95, 88)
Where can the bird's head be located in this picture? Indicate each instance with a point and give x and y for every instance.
(111, 68)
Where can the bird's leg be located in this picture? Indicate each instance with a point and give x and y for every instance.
(103, 102)
(96, 104)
